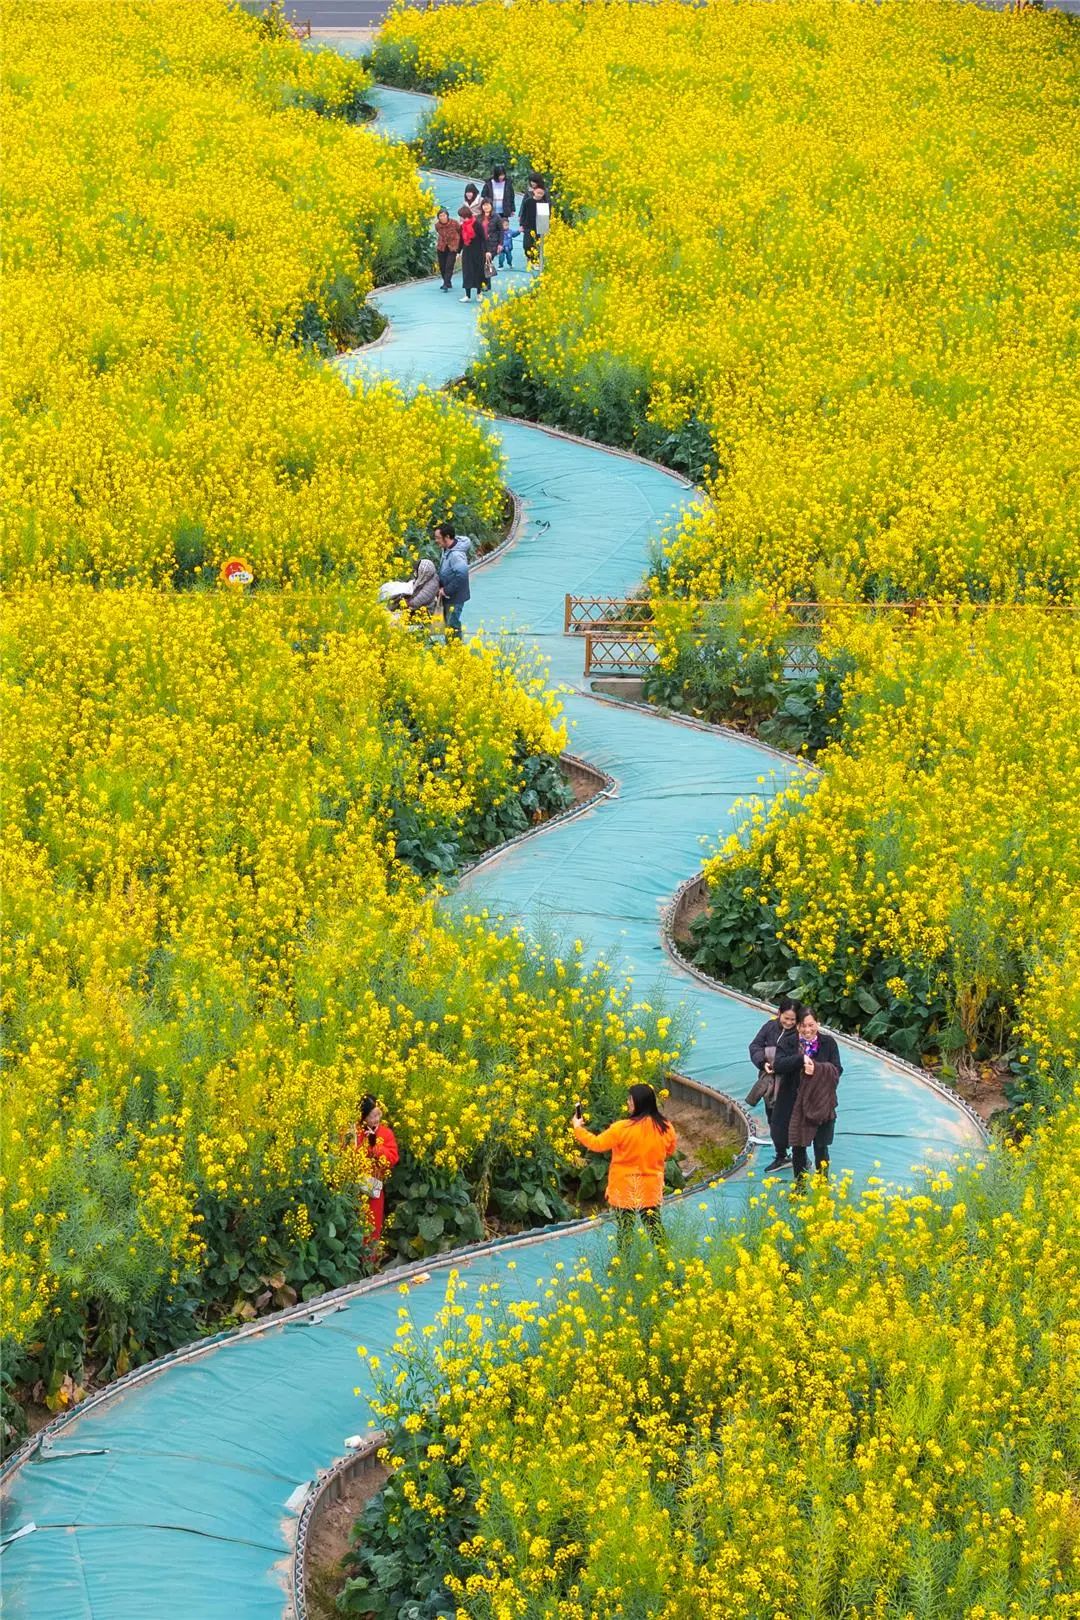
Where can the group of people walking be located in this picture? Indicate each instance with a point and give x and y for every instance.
(485, 230)
(799, 1069)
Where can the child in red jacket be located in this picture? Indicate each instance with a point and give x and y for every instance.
(379, 1143)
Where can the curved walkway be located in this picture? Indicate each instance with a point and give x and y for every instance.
(174, 1496)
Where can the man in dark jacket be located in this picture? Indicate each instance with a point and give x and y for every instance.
(762, 1048)
(453, 576)
(535, 219)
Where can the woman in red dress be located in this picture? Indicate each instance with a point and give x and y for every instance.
(379, 1143)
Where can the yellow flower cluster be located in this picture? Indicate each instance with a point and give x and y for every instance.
(211, 951)
(943, 827)
(215, 943)
(836, 241)
(177, 221)
(855, 1408)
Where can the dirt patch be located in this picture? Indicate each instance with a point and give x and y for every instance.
(584, 783)
(982, 1086)
(331, 1537)
(691, 907)
(708, 1142)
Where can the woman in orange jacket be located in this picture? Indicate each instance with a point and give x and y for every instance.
(640, 1146)
(380, 1144)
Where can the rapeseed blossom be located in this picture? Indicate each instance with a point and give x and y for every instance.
(940, 831)
(841, 1406)
(179, 230)
(824, 250)
(216, 941)
(824, 256)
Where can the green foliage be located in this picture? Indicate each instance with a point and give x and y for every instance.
(609, 405)
(723, 676)
(434, 850)
(398, 63)
(717, 677)
(736, 941)
(398, 1566)
(527, 1192)
(430, 1210)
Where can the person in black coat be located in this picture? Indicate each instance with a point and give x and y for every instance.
(807, 1039)
(534, 217)
(787, 1067)
(499, 190)
(473, 254)
(489, 226)
(762, 1048)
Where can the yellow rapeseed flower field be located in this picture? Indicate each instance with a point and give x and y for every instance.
(179, 230)
(219, 804)
(921, 886)
(824, 257)
(824, 251)
(844, 1408)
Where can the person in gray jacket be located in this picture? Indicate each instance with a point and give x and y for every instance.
(453, 576)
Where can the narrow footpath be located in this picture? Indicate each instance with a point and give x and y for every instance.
(175, 1494)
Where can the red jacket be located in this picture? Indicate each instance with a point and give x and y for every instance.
(383, 1152)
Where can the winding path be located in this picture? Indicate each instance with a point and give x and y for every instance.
(174, 1495)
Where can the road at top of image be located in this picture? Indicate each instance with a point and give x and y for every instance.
(350, 14)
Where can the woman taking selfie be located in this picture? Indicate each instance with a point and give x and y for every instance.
(640, 1146)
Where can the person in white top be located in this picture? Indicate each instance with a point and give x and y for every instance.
(500, 191)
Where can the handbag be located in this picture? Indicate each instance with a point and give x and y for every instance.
(764, 1082)
(760, 1088)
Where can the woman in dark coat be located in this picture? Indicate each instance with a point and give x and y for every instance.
(489, 224)
(813, 1119)
(789, 1066)
(499, 190)
(815, 1042)
(472, 254)
(762, 1050)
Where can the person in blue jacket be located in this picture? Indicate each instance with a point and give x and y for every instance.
(453, 576)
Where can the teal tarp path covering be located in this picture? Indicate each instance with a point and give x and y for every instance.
(168, 1501)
